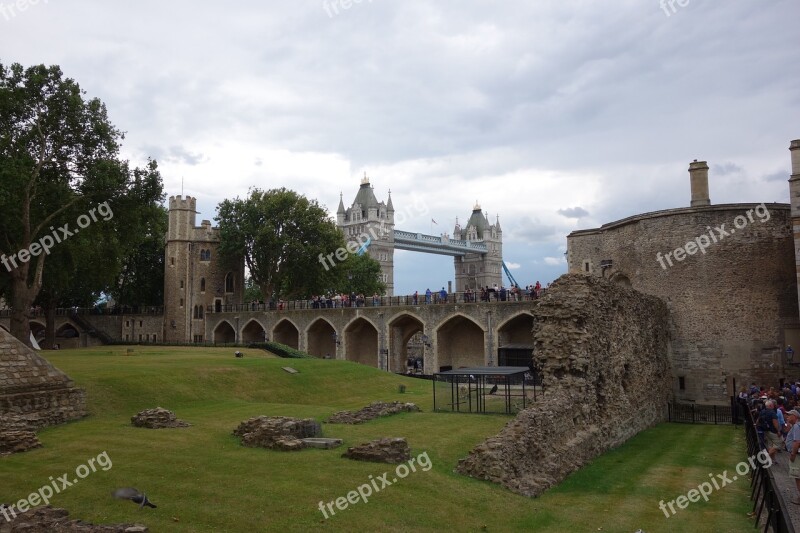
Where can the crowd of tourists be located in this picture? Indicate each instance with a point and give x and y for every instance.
(483, 294)
(777, 418)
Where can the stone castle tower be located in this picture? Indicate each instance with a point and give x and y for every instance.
(475, 270)
(371, 223)
(195, 278)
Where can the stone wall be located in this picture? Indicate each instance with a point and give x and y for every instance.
(734, 307)
(603, 351)
(34, 391)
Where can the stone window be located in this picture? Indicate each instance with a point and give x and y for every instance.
(682, 383)
(172, 261)
(229, 285)
(181, 284)
(202, 284)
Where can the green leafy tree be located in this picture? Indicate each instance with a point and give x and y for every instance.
(252, 292)
(121, 255)
(362, 275)
(141, 280)
(281, 236)
(59, 159)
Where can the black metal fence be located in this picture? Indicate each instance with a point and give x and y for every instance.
(764, 492)
(379, 301)
(690, 413)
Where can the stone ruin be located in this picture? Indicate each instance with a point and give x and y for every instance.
(33, 394)
(384, 450)
(603, 351)
(49, 519)
(158, 418)
(277, 432)
(16, 438)
(372, 411)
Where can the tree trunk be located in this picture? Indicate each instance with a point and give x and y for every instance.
(49, 326)
(20, 311)
(22, 297)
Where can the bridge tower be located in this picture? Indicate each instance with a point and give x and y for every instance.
(475, 270)
(372, 222)
(195, 278)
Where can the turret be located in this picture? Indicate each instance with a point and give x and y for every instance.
(340, 213)
(698, 178)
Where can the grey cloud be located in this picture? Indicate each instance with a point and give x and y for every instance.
(573, 212)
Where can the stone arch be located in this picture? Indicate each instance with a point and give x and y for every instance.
(67, 331)
(253, 332)
(460, 342)
(620, 279)
(286, 332)
(402, 327)
(38, 330)
(224, 333)
(361, 342)
(321, 338)
(515, 340)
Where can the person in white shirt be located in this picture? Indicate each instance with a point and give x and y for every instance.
(792, 446)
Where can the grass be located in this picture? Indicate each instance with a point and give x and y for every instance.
(203, 480)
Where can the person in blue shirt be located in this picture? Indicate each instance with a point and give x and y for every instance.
(428, 296)
(443, 295)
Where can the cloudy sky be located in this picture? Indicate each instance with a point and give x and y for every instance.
(554, 115)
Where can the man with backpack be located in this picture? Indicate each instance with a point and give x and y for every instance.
(768, 423)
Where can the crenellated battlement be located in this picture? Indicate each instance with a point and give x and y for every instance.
(180, 203)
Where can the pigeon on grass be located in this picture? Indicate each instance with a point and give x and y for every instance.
(133, 495)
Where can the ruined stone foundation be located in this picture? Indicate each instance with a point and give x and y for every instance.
(34, 393)
(603, 350)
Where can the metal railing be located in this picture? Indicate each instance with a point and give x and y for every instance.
(381, 301)
(764, 493)
(690, 413)
(154, 310)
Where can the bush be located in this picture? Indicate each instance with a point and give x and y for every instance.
(281, 350)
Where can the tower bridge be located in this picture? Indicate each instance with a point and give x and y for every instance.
(443, 245)
(476, 248)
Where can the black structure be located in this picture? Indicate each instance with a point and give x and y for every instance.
(469, 390)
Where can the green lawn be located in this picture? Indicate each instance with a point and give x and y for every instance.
(203, 480)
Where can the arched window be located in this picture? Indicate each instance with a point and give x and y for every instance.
(200, 311)
(202, 284)
(229, 282)
(194, 315)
